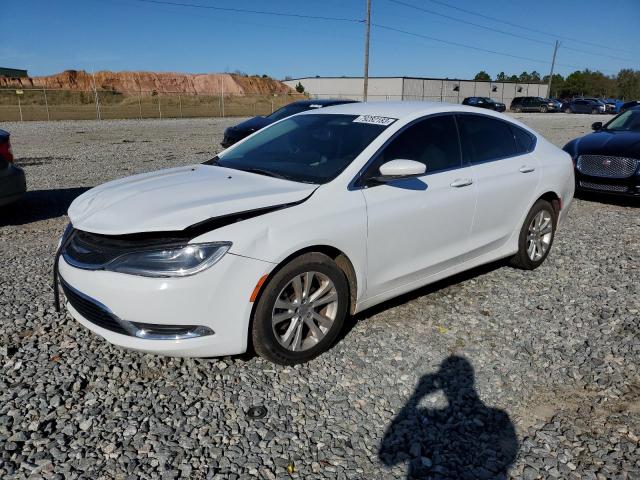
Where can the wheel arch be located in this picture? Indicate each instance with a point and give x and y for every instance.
(553, 198)
(338, 256)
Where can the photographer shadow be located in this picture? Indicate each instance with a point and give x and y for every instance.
(465, 440)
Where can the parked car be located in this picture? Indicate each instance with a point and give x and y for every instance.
(608, 160)
(628, 105)
(582, 105)
(532, 104)
(613, 105)
(608, 107)
(244, 129)
(485, 102)
(557, 103)
(13, 184)
(277, 239)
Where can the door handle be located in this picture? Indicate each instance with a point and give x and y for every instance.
(527, 169)
(462, 182)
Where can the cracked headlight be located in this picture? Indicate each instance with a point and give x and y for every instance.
(174, 261)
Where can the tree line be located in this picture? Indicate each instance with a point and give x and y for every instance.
(589, 83)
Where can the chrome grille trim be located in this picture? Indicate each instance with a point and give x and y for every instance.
(607, 166)
(604, 187)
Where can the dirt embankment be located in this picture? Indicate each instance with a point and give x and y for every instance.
(161, 83)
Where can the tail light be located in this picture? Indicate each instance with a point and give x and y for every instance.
(5, 151)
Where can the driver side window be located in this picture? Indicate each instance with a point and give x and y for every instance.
(432, 141)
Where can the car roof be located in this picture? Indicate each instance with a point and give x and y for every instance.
(399, 109)
(325, 101)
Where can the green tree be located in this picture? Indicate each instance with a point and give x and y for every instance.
(501, 77)
(557, 83)
(628, 84)
(299, 88)
(524, 77)
(534, 76)
(482, 76)
(513, 78)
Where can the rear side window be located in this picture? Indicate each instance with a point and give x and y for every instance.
(433, 141)
(525, 142)
(485, 138)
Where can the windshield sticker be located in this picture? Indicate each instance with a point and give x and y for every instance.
(375, 120)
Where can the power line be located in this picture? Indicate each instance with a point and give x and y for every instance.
(464, 45)
(503, 32)
(259, 12)
(499, 20)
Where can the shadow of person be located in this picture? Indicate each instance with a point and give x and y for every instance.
(38, 205)
(466, 440)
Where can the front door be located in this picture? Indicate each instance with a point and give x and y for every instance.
(418, 227)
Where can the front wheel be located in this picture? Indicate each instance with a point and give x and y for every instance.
(594, 111)
(301, 311)
(544, 109)
(536, 236)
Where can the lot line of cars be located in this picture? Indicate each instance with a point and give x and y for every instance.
(273, 242)
(543, 105)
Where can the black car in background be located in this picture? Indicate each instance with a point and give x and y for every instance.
(608, 160)
(484, 102)
(12, 180)
(584, 105)
(238, 132)
(532, 104)
(628, 105)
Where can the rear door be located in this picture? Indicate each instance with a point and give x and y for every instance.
(418, 227)
(506, 174)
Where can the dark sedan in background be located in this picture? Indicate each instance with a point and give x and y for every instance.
(608, 160)
(584, 105)
(12, 181)
(238, 132)
(628, 105)
(484, 102)
(532, 104)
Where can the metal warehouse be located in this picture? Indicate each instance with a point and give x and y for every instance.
(416, 88)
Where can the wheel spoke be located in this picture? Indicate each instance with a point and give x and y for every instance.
(332, 296)
(531, 249)
(284, 304)
(281, 317)
(297, 339)
(289, 334)
(323, 321)
(315, 331)
(308, 280)
(297, 288)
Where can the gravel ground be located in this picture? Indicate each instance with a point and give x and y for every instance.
(497, 369)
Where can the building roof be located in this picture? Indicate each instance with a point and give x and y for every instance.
(417, 78)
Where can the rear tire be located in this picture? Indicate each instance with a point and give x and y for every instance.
(595, 111)
(517, 109)
(567, 110)
(536, 236)
(544, 109)
(301, 310)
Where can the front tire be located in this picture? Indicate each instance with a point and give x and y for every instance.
(544, 109)
(301, 310)
(536, 236)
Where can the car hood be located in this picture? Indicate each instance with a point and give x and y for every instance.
(251, 125)
(174, 199)
(610, 143)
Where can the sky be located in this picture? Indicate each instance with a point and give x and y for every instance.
(49, 36)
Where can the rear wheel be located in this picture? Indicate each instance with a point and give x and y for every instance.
(536, 236)
(517, 109)
(567, 110)
(544, 109)
(595, 111)
(301, 311)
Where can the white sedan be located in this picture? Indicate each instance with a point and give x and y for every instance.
(271, 244)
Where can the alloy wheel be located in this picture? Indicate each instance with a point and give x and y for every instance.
(539, 235)
(304, 311)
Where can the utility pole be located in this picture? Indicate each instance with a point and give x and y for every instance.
(366, 52)
(553, 64)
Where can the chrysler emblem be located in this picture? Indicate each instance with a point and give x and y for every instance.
(606, 163)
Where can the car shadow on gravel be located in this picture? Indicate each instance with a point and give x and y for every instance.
(39, 205)
(617, 200)
(464, 440)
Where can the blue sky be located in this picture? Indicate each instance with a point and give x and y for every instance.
(48, 36)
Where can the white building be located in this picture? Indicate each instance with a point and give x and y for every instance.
(415, 88)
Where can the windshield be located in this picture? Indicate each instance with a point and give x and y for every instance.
(288, 110)
(628, 121)
(313, 148)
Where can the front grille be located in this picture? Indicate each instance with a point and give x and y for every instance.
(604, 187)
(92, 310)
(607, 166)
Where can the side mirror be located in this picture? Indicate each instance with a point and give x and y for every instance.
(396, 169)
(596, 126)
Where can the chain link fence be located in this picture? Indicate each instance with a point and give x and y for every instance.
(51, 104)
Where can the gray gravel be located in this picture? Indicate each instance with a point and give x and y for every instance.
(534, 373)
